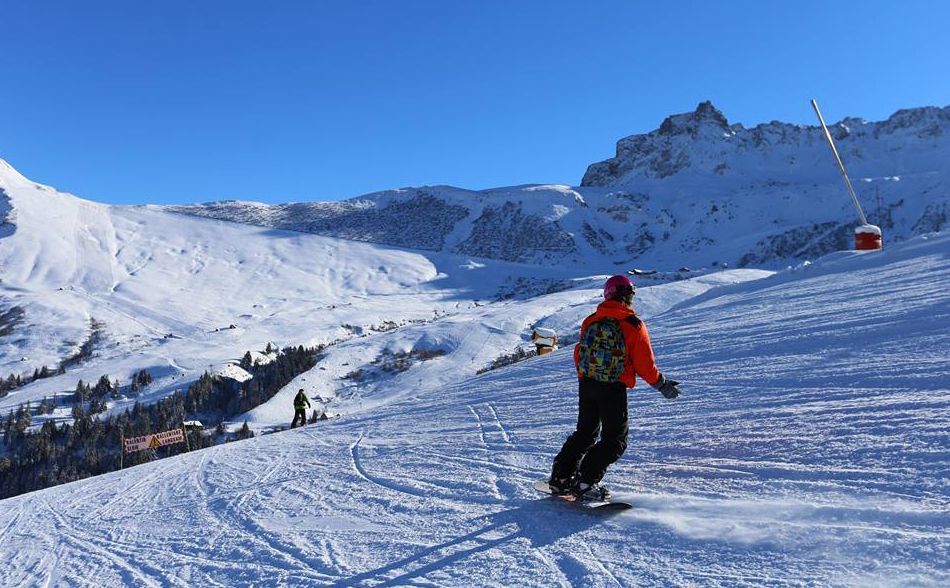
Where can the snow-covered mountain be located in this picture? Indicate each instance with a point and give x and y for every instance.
(111, 290)
(179, 295)
(697, 191)
(810, 444)
(810, 447)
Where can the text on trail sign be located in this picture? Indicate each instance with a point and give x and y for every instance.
(154, 441)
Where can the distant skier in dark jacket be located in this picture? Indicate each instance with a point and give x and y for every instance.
(301, 404)
(614, 347)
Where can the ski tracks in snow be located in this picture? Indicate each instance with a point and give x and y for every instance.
(494, 440)
(101, 551)
(377, 481)
(777, 472)
(491, 430)
(240, 509)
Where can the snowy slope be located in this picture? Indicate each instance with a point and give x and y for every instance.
(166, 289)
(178, 295)
(810, 447)
(697, 191)
(468, 339)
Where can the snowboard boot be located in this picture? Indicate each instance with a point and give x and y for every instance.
(561, 486)
(585, 491)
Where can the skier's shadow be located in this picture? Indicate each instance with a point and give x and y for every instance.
(541, 522)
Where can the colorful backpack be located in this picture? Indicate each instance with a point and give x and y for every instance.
(601, 351)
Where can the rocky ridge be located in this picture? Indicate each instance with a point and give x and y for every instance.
(697, 190)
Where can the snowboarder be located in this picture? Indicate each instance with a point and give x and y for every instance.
(614, 348)
(301, 404)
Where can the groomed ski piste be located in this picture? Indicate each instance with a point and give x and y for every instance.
(811, 446)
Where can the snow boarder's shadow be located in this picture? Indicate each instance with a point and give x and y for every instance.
(540, 522)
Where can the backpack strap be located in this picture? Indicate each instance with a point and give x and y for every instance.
(633, 320)
(586, 322)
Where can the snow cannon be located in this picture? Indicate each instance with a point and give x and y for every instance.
(545, 340)
(868, 238)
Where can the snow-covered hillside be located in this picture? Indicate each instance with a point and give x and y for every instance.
(357, 375)
(178, 295)
(810, 447)
(697, 191)
(109, 291)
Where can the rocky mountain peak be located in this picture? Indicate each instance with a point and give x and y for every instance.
(703, 143)
(690, 122)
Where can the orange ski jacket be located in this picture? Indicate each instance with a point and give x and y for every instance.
(639, 360)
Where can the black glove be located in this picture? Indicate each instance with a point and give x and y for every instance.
(668, 388)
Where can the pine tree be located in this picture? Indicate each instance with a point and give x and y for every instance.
(103, 387)
(97, 405)
(23, 419)
(8, 427)
(82, 392)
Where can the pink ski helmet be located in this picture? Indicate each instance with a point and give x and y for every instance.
(618, 288)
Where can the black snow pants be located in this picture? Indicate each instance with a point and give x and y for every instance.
(602, 410)
(299, 413)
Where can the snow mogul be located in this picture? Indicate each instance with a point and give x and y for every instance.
(614, 348)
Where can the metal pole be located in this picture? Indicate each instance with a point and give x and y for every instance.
(844, 174)
(184, 430)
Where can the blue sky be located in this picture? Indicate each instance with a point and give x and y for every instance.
(183, 101)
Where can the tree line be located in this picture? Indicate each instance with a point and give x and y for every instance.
(85, 351)
(14, 381)
(90, 444)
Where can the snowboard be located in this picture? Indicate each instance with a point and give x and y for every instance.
(599, 505)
